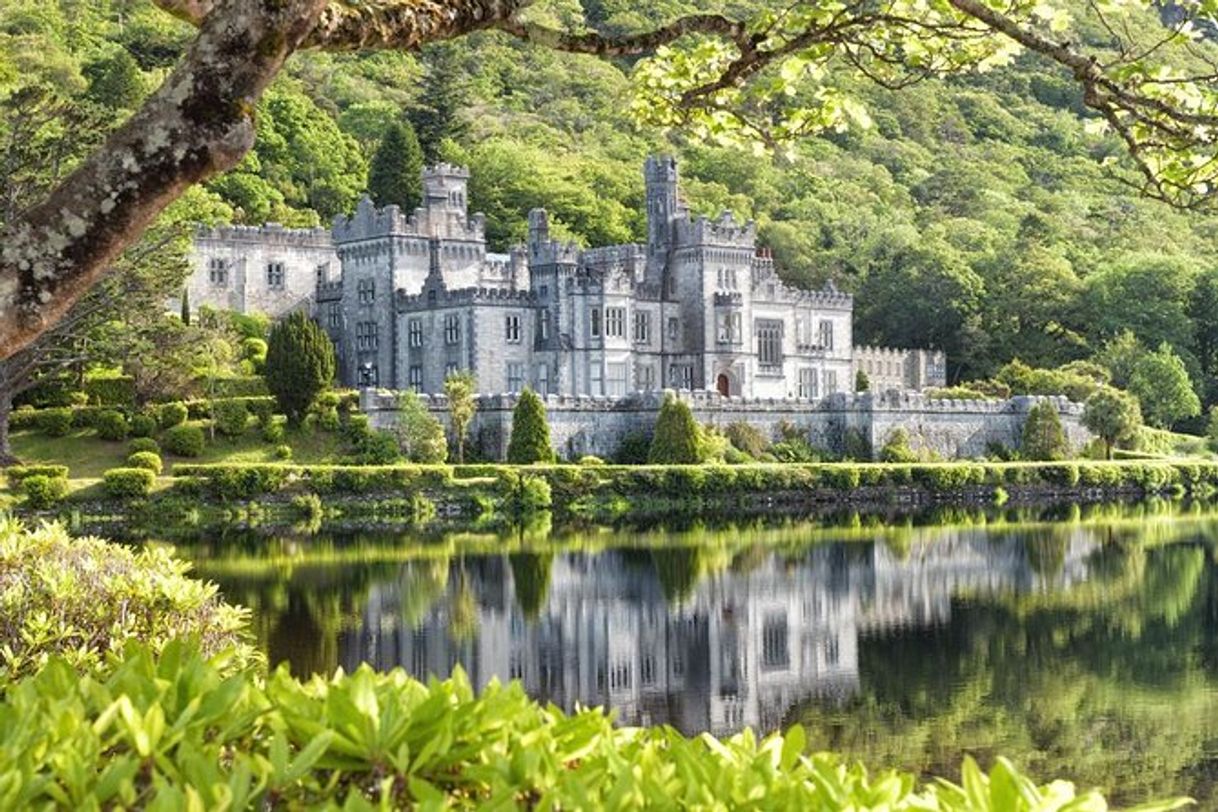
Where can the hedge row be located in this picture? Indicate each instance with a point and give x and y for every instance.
(570, 482)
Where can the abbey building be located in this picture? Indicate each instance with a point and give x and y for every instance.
(409, 297)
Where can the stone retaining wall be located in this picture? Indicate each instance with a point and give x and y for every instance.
(581, 425)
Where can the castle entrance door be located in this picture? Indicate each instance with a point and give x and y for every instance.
(723, 385)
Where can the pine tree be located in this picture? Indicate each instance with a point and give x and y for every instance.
(115, 81)
(186, 307)
(530, 441)
(676, 437)
(299, 364)
(861, 382)
(395, 176)
(438, 116)
(1043, 437)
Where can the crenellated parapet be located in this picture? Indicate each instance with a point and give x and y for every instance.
(465, 296)
(268, 234)
(369, 222)
(724, 230)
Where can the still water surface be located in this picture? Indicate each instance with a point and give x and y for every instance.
(1080, 649)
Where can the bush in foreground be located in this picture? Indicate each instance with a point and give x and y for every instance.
(85, 599)
(530, 439)
(160, 731)
(42, 491)
(128, 483)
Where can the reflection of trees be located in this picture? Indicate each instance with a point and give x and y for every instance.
(1101, 682)
(531, 577)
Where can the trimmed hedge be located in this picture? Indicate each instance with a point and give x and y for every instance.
(231, 416)
(146, 460)
(143, 425)
(203, 409)
(242, 481)
(128, 483)
(56, 422)
(111, 425)
(144, 444)
(42, 492)
(184, 440)
(117, 390)
(17, 473)
(172, 414)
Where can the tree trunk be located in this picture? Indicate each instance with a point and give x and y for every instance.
(6, 450)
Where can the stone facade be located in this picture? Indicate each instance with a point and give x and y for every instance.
(581, 425)
(409, 297)
(904, 370)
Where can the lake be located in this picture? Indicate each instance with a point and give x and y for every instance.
(1083, 647)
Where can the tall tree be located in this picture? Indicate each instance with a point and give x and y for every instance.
(1161, 384)
(299, 364)
(676, 438)
(1113, 416)
(755, 80)
(460, 388)
(1043, 437)
(441, 100)
(395, 177)
(420, 435)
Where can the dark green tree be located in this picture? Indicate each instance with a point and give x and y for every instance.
(395, 176)
(299, 364)
(1112, 415)
(861, 382)
(443, 96)
(1161, 384)
(1043, 437)
(186, 307)
(531, 578)
(530, 441)
(676, 437)
(115, 81)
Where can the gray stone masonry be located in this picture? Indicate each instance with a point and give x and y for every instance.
(951, 429)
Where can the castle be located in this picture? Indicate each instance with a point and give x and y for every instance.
(410, 297)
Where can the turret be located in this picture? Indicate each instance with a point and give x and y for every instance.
(663, 207)
(445, 187)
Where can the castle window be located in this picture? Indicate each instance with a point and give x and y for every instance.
(647, 377)
(807, 384)
(728, 330)
(367, 291)
(450, 369)
(826, 334)
(594, 322)
(774, 650)
(543, 292)
(336, 314)
(365, 335)
(615, 380)
(830, 381)
(596, 385)
(615, 322)
(415, 378)
(544, 328)
(769, 342)
(511, 328)
(323, 273)
(674, 328)
(543, 379)
(515, 377)
(414, 332)
(642, 327)
(217, 271)
(452, 329)
(681, 376)
(274, 275)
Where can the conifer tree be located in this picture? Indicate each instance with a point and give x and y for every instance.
(530, 441)
(395, 175)
(861, 382)
(299, 364)
(443, 96)
(676, 437)
(186, 307)
(1043, 437)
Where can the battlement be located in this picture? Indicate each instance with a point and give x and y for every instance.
(434, 218)
(266, 234)
(465, 296)
(723, 230)
(329, 291)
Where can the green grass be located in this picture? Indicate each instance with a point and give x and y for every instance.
(88, 456)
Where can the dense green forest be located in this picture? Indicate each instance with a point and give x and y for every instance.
(973, 215)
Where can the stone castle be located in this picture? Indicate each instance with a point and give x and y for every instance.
(410, 297)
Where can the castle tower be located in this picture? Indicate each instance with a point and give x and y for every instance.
(663, 207)
(445, 188)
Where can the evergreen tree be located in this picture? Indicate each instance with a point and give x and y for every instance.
(299, 364)
(861, 382)
(530, 441)
(395, 176)
(115, 81)
(438, 117)
(459, 388)
(1112, 415)
(1043, 437)
(186, 307)
(676, 437)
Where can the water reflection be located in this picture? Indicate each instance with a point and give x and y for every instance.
(1083, 649)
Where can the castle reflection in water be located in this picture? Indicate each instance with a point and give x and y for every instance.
(741, 648)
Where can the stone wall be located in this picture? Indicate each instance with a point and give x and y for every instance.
(581, 425)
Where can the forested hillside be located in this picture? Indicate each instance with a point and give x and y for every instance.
(973, 215)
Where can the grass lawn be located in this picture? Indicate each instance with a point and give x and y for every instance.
(87, 455)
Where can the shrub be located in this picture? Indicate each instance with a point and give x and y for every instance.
(272, 432)
(22, 418)
(530, 439)
(56, 422)
(747, 438)
(263, 409)
(420, 435)
(299, 364)
(184, 440)
(676, 436)
(111, 390)
(144, 444)
(146, 460)
(142, 425)
(111, 425)
(172, 414)
(377, 448)
(42, 491)
(283, 452)
(17, 473)
(84, 599)
(128, 483)
(1043, 436)
(327, 419)
(633, 449)
(590, 459)
(231, 417)
(896, 448)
